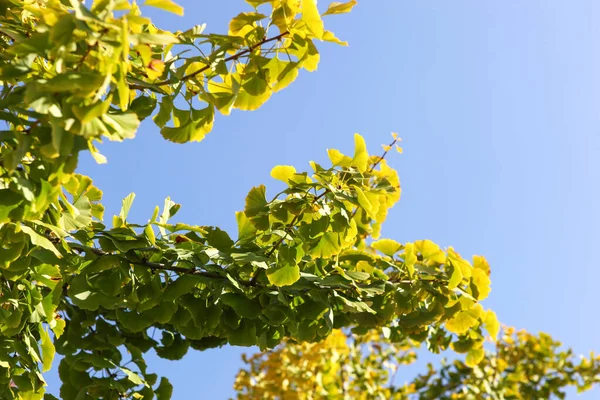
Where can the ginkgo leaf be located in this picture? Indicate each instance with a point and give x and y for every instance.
(283, 172)
(126, 206)
(361, 156)
(48, 350)
(480, 262)
(327, 246)
(338, 159)
(430, 251)
(167, 5)
(474, 356)
(312, 18)
(363, 200)
(256, 201)
(410, 257)
(39, 240)
(284, 276)
(328, 36)
(340, 8)
(491, 324)
(455, 278)
(482, 282)
(461, 322)
(387, 246)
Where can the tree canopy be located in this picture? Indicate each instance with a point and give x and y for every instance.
(103, 293)
(518, 365)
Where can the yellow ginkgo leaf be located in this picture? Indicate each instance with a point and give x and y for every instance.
(491, 324)
(167, 5)
(361, 156)
(312, 18)
(461, 322)
(430, 251)
(338, 159)
(283, 172)
(474, 356)
(482, 282)
(481, 263)
(155, 69)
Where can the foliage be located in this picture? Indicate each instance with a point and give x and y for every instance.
(522, 366)
(302, 264)
(342, 366)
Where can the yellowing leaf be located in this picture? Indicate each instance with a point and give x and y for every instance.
(59, 327)
(474, 356)
(338, 159)
(481, 263)
(340, 8)
(310, 15)
(410, 257)
(328, 36)
(194, 67)
(247, 102)
(244, 23)
(363, 200)
(482, 282)
(48, 349)
(399, 149)
(430, 251)
(361, 156)
(283, 172)
(150, 235)
(328, 245)
(461, 323)
(456, 277)
(284, 276)
(457, 261)
(491, 324)
(364, 266)
(387, 246)
(167, 5)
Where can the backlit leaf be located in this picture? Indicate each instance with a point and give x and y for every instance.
(284, 276)
(283, 172)
(167, 5)
(312, 18)
(340, 8)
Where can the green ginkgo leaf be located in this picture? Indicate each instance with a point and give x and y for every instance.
(284, 276)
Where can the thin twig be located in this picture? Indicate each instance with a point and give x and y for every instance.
(383, 155)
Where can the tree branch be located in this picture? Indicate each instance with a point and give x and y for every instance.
(148, 264)
(201, 70)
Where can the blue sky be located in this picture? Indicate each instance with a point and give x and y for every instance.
(497, 103)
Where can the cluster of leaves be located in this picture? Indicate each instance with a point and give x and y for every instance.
(521, 366)
(342, 366)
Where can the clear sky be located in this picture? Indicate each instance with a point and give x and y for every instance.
(498, 105)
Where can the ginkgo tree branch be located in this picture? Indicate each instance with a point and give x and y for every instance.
(207, 67)
(148, 264)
